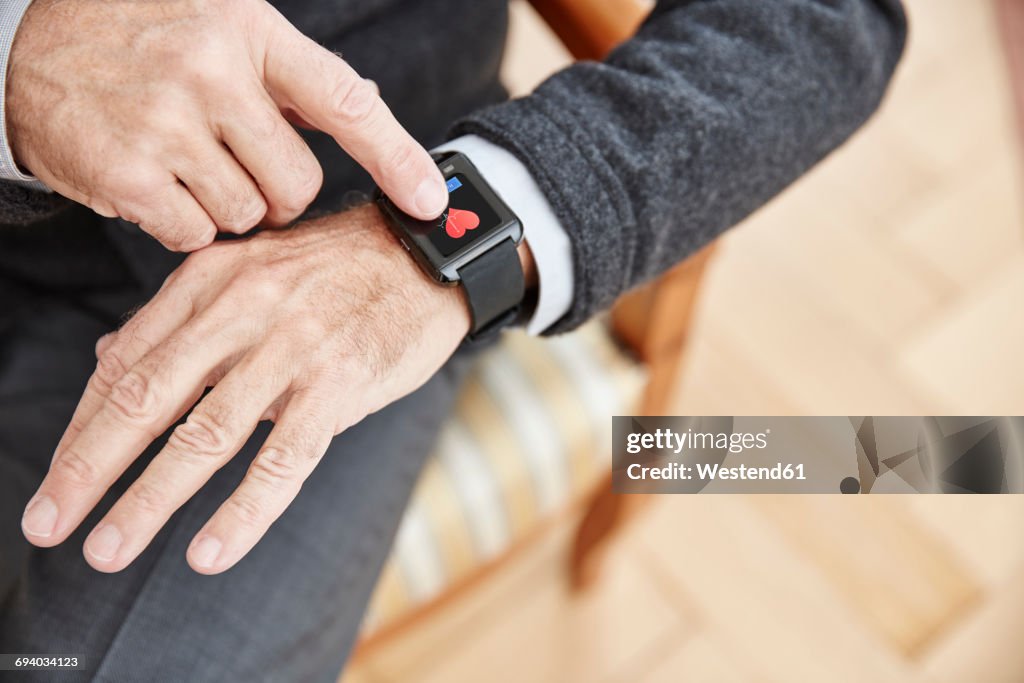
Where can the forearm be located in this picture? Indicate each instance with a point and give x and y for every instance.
(703, 117)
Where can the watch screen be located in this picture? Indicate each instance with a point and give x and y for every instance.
(467, 217)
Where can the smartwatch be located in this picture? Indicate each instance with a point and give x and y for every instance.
(472, 245)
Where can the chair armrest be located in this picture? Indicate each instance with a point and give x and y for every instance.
(590, 29)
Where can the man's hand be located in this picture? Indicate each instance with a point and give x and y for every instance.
(172, 115)
(313, 328)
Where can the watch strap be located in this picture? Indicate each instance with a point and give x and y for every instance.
(494, 286)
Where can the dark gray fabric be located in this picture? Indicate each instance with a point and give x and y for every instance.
(288, 612)
(712, 109)
(715, 107)
(20, 205)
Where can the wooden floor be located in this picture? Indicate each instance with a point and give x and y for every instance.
(889, 281)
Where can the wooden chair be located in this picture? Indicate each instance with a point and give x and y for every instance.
(653, 321)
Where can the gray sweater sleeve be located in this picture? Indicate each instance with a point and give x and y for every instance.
(711, 110)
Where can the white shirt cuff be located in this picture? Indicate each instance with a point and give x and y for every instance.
(549, 243)
(11, 12)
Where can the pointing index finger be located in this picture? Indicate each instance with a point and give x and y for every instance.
(328, 93)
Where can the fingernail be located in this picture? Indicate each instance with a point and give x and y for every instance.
(431, 197)
(104, 542)
(40, 517)
(205, 551)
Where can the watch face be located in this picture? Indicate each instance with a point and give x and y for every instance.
(476, 221)
(468, 217)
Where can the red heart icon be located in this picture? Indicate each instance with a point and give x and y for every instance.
(459, 221)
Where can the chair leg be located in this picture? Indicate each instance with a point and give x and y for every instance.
(603, 515)
(655, 323)
(606, 514)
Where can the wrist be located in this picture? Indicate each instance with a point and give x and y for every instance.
(15, 17)
(452, 299)
(449, 303)
(473, 244)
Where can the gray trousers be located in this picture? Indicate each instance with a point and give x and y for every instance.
(289, 611)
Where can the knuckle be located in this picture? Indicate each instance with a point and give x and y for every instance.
(149, 201)
(203, 435)
(76, 425)
(263, 287)
(303, 189)
(169, 125)
(275, 467)
(309, 182)
(147, 497)
(134, 397)
(264, 124)
(245, 509)
(72, 468)
(109, 369)
(203, 63)
(402, 161)
(173, 239)
(353, 101)
(182, 236)
(195, 241)
(243, 209)
(309, 328)
(135, 186)
(211, 73)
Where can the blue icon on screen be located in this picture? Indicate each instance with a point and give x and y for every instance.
(453, 184)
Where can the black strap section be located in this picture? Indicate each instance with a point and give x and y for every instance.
(494, 287)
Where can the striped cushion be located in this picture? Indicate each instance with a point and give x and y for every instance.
(531, 433)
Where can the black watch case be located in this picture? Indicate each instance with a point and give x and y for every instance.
(440, 256)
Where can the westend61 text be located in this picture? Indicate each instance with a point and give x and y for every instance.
(711, 472)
